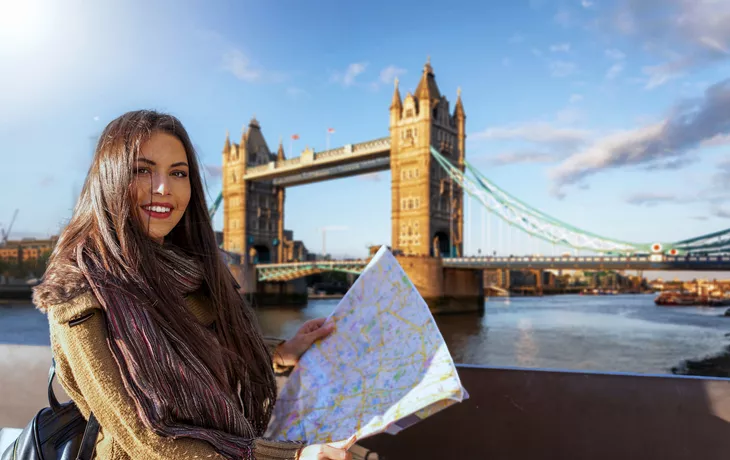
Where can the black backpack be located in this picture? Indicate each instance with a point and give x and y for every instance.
(58, 432)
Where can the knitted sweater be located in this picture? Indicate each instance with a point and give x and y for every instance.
(88, 372)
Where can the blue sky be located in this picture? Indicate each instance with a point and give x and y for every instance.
(607, 115)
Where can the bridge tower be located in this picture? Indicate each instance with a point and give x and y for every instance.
(253, 212)
(427, 206)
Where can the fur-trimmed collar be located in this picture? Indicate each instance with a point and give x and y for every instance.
(59, 286)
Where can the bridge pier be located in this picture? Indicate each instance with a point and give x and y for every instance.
(445, 290)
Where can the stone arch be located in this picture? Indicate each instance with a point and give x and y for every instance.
(440, 244)
(260, 254)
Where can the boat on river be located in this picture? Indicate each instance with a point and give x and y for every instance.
(685, 299)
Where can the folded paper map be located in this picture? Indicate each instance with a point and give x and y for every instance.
(385, 367)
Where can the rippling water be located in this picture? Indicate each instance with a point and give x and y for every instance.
(626, 333)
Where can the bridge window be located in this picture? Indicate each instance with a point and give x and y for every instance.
(409, 113)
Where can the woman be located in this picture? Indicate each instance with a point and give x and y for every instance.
(147, 326)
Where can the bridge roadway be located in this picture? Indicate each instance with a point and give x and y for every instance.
(595, 262)
(293, 270)
(348, 160)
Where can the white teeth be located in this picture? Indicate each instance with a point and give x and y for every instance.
(158, 209)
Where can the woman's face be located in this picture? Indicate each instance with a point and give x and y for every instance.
(161, 185)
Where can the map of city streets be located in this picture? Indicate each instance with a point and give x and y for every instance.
(385, 366)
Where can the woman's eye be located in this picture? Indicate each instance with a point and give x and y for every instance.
(142, 171)
(180, 174)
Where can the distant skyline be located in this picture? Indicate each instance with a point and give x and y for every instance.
(603, 114)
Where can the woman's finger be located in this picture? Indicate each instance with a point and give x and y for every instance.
(333, 453)
(317, 322)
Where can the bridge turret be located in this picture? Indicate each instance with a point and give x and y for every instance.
(396, 106)
(227, 145)
(459, 113)
(427, 92)
(280, 153)
(460, 118)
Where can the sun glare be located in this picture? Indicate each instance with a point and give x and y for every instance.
(20, 22)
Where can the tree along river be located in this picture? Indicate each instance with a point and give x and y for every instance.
(622, 333)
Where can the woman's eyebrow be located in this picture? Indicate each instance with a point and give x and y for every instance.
(174, 165)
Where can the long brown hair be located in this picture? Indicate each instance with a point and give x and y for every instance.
(105, 246)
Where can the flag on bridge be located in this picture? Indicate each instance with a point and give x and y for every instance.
(330, 130)
(295, 136)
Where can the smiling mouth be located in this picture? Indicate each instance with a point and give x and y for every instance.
(158, 211)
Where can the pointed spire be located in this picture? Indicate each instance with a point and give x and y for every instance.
(396, 103)
(427, 87)
(227, 145)
(280, 153)
(244, 136)
(459, 109)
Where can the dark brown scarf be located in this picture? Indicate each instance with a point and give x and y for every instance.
(176, 394)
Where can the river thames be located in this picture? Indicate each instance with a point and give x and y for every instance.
(623, 333)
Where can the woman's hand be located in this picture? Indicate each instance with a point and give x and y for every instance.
(288, 353)
(323, 452)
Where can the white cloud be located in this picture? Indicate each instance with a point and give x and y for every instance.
(575, 98)
(560, 48)
(569, 116)
(561, 69)
(651, 198)
(388, 74)
(614, 71)
(661, 144)
(506, 62)
(348, 77)
(236, 62)
(96, 118)
(614, 54)
(521, 157)
(687, 34)
(586, 3)
(537, 132)
(716, 141)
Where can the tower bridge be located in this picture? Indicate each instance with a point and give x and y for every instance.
(425, 152)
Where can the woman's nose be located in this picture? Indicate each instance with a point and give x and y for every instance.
(160, 185)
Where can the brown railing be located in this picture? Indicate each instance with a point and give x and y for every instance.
(525, 414)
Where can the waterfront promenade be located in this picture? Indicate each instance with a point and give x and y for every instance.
(572, 413)
(513, 414)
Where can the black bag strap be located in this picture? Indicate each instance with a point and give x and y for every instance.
(52, 401)
(88, 441)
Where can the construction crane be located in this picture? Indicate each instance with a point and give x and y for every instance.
(5, 233)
